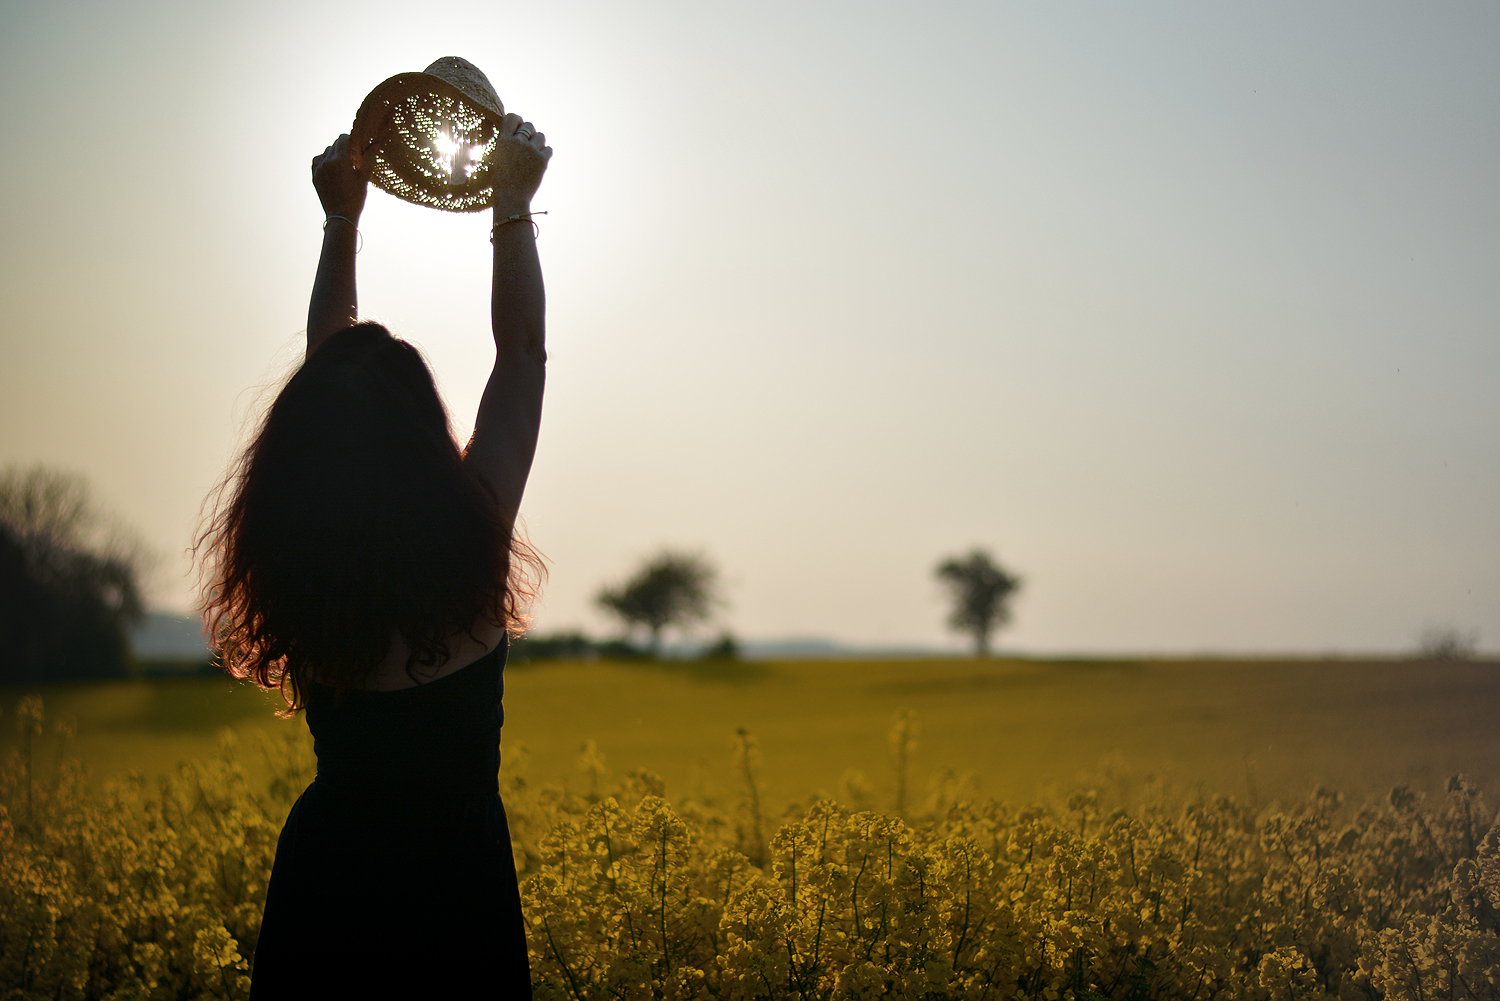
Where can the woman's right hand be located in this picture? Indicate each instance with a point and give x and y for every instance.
(341, 188)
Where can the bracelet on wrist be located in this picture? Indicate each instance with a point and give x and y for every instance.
(360, 245)
(518, 217)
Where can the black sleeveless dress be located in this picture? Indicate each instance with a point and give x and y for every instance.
(393, 874)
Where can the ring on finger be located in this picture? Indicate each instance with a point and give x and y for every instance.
(525, 131)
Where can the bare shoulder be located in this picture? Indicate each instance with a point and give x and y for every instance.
(464, 649)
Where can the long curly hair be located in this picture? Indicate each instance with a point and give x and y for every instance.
(351, 517)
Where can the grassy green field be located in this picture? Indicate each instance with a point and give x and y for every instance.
(1256, 729)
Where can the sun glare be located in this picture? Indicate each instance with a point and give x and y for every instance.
(449, 148)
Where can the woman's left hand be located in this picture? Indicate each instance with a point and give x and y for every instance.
(521, 158)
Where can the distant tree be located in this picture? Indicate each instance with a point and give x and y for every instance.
(572, 645)
(726, 647)
(69, 582)
(1447, 643)
(981, 592)
(671, 589)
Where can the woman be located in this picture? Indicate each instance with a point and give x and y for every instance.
(364, 565)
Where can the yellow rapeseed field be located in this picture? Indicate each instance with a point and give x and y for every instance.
(1122, 887)
(1259, 730)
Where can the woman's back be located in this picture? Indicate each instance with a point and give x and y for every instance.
(439, 737)
(397, 859)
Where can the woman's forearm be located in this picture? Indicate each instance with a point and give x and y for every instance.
(335, 302)
(510, 411)
(341, 188)
(518, 299)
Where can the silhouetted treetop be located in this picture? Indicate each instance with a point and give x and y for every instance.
(981, 590)
(670, 589)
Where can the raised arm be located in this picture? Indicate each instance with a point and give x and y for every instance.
(510, 411)
(341, 189)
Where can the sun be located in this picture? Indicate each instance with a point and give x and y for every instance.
(455, 157)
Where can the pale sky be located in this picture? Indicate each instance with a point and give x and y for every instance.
(1190, 313)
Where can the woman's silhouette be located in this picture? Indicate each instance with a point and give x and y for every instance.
(364, 564)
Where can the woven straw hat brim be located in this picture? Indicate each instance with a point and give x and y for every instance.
(424, 140)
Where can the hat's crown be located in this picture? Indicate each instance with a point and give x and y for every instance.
(469, 80)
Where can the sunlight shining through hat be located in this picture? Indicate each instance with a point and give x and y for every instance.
(427, 136)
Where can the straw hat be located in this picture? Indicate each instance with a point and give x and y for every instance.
(428, 137)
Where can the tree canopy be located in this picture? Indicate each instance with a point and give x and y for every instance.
(670, 589)
(69, 581)
(981, 590)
